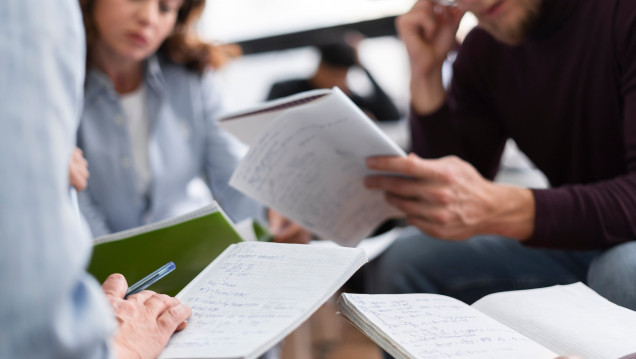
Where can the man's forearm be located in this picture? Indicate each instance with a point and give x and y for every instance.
(428, 95)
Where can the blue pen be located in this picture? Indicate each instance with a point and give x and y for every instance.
(150, 279)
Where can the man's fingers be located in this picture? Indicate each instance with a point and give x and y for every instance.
(413, 166)
(181, 326)
(406, 205)
(405, 187)
(418, 22)
(142, 296)
(170, 313)
(173, 318)
(115, 285)
(156, 304)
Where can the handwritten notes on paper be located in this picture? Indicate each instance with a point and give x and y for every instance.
(310, 165)
(429, 326)
(256, 293)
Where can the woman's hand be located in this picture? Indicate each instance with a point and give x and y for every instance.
(78, 170)
(286, 231)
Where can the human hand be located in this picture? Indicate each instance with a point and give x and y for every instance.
(428, 31)
(447, 198)
(285, 230)
(146, 320)
(78, 170)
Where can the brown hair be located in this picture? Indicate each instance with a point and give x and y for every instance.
(182, 46)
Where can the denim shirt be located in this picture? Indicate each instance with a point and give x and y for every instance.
(184, 143)
(50, 307)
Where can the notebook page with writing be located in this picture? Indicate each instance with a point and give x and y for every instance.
(430, 326)
(570, 320)
(309, 165)
(255, 294)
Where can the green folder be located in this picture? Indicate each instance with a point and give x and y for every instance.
(191, 241)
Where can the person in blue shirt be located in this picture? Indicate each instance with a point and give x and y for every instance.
(50, 306)
(148, 128)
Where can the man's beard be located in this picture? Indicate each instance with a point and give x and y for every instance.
(514, 34)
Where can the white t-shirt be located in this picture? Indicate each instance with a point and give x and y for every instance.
(134, 106)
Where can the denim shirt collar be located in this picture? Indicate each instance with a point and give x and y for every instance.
(97, 82)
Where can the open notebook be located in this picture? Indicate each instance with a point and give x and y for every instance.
(307, 161)
(256, 293)
(527, 324)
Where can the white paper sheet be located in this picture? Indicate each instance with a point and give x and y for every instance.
(256, 293)
(309, 165)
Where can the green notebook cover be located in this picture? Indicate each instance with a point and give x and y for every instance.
(191, 241)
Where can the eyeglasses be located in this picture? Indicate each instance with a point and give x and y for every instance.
(446, 2)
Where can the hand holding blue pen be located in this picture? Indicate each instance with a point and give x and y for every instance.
(150, 279)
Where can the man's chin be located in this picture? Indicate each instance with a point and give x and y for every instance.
(511, 37)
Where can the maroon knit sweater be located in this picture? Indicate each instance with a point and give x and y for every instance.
(567, 96)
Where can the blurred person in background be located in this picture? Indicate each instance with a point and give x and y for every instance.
(337, 58)
(149, 124)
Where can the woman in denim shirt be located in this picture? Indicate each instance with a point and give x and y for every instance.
(148, 127)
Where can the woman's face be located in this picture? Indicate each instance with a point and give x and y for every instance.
(133, 29)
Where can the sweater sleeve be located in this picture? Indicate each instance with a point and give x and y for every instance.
(604, 213)
(467, 125)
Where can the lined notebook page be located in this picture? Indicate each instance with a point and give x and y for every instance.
(429, 326)
(256, 293)
(570, 320)
(310, 166)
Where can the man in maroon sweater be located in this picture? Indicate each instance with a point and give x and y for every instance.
(558, 77)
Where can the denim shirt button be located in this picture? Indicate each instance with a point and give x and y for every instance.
(118, 119)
